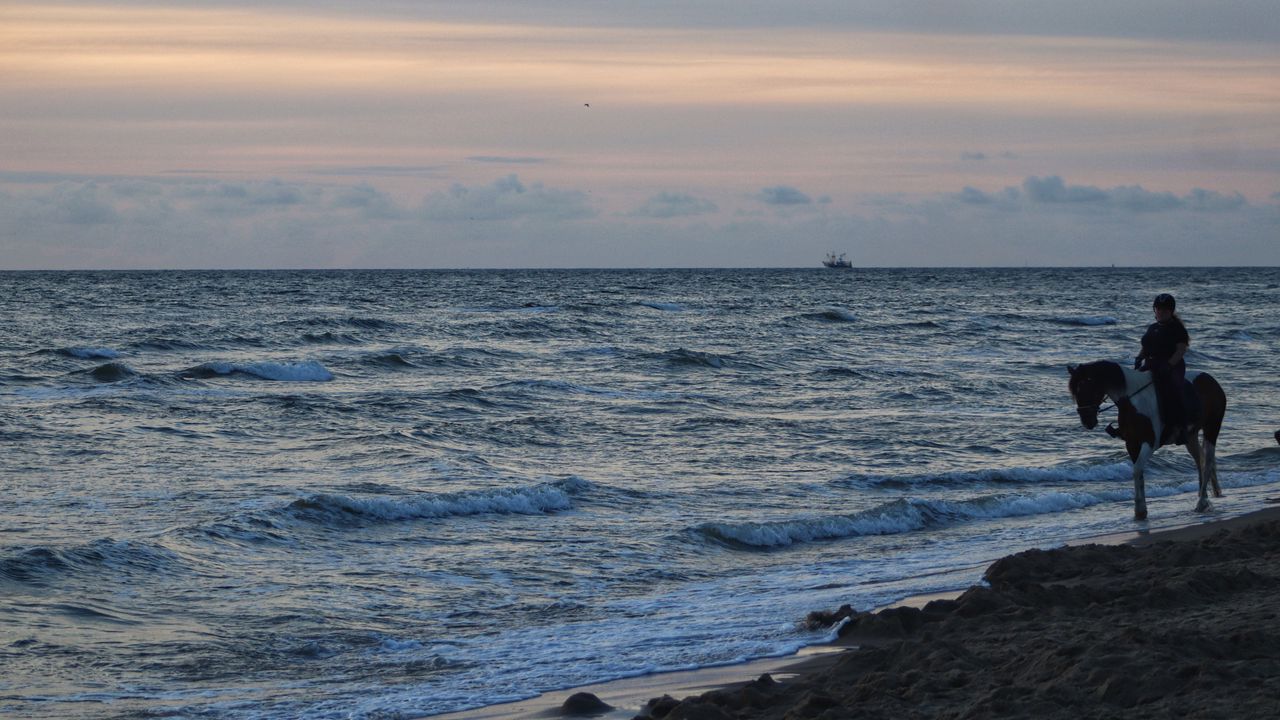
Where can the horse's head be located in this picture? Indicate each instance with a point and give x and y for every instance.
(1088, 392)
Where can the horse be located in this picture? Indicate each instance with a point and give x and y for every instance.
(1134, 395)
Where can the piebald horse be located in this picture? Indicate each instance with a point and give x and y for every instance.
(1140, 427)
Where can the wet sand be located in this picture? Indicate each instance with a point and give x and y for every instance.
(1177, 623)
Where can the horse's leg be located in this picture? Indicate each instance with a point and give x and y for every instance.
(1213, 404)
(1140, 459)
(1211, 466)
(1196, 450)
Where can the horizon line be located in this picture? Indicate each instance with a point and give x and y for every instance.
(816, 268)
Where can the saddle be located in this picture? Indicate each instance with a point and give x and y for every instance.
(1190, 416)
(1191, 412)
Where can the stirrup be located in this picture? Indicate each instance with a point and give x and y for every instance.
(1111, 430)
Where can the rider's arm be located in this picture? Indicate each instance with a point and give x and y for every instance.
(1179, 350)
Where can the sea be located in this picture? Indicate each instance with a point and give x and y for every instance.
(394, 494)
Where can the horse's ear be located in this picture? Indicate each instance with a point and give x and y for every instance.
(1071, 369)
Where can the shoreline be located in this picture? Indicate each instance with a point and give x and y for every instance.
(793, 674)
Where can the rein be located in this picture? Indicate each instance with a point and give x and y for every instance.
(1113, 405)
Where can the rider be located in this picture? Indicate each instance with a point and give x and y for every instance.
(1163, 347)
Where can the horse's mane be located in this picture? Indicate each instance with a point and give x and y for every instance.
(1106, 373)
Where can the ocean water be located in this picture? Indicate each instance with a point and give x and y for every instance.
(395, 494)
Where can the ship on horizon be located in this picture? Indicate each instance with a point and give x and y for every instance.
(839, 263)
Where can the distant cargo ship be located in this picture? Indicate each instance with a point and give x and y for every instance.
(837, 262)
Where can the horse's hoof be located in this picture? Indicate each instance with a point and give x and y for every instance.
(1217, 493)
(1203, 505)
(1140, 515)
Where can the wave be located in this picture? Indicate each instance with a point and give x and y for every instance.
(562, 386)
(831, 315)
(914, 325)
(353, 321)
(530, 307)
(1085, 320)
(307, 371)
(540, 499)
(664, 306)
(369, 323)
(167, 344)
(840, 372)
(330, 338)
(997, 476)
(88, 353)
(681, 356)
(393, 360)
(903, 516)
(112, 372)
(38, 565)
(882, 373)
(603, 351)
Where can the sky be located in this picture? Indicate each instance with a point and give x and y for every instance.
(604, 133)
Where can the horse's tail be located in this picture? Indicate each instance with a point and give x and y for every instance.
(1213, 405)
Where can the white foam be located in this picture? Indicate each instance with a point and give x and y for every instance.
(1021, 475)
(307, 371)
(902, 516)
(533, 500)
(393, 645)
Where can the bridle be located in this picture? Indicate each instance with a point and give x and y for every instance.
(1098, 409)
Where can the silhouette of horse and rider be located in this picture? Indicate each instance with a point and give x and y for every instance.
(1158, 401)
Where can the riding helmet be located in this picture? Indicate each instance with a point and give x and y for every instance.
(1165, 300)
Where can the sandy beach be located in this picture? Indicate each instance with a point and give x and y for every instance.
(1179, 623)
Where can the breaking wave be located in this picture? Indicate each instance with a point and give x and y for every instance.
(308, 371)
(903, 516)
(540, 499)
(1117, 471)
(87, 353)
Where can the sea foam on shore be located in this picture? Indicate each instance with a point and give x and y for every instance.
(1176, 624)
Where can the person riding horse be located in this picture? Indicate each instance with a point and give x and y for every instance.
(1163, 347)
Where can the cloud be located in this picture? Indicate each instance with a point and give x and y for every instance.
(368, 201)
(672, 205)
(974, 196)
(982, 156)
(241, 199)
(504, 160)
(380, 170)
(783, 195)
(1209, 200)
(507, 199)
(1239, 20)
(82, 205)
(113, 222)
(1053, 191)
